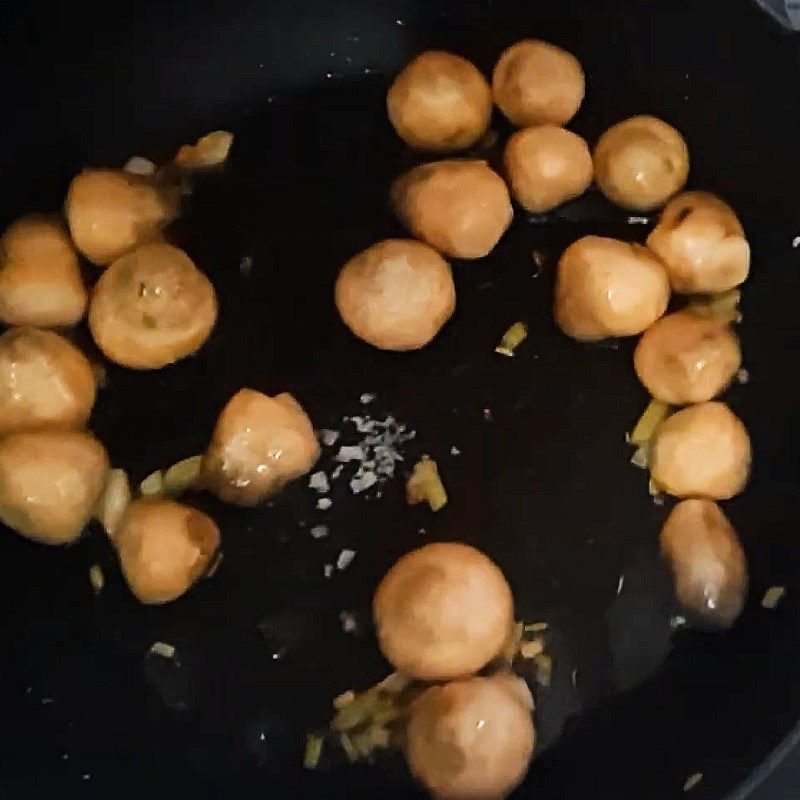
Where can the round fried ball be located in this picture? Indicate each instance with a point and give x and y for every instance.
(470, 739)
(440, 102)
(461, 207)
(164, 547)
(442, 611)
(50, 483)
(546, 166)
(45, 381)
(40, 278)
(701, 451)
(707, 561)
(683, 358)
(260, 444)
(152, 307)
(538, 83)
(396, 295)
(702, 244)
(640, 163)
(605, 287)
(110, 211)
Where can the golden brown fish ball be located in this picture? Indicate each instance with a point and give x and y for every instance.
(152, 307)
(546, 166)
(260, 443)
(702, 244)
(640, 163)
(40, 277)
(707, 562)
(470, 739)
(110, 211)
(440, 102)
(442, 611)
(50, 483)
(605, 287)
(538, 83)
(164, 548)
(683, 358)
(461, 207)
(701, 451)
(45, 381)
(396, 295)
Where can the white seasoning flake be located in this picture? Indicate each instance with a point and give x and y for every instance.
(345, 559)
(327, 570)
(324, 503)
(692, 781)
(796, 242)
(163, 649)
(96, 578)
(367, 398)
(337, 472)
(620, 585)
(743, 376)
(328, 437)
(487, 415)
(319, 482)
(319, 531)
(363, 482)
(638, 220)
(246, 266)
(574, 677)
(772, 597)
(454, 451)
(350, 453)
(139, 165)
(348, 620)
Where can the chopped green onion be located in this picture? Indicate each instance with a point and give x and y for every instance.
(426, 485)
(655, 413)
(313, 751)
(512, 339)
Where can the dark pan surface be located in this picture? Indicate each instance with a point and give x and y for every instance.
(543, 485)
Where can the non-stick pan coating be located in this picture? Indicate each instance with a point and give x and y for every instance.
(542, 483)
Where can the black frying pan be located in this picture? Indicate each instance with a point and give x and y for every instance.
(544, 486)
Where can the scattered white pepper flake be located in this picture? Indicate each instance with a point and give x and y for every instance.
(163, 649)
(422, 531)
(337, 472)
(796, 242)
(350, 453)
(319, 531)
(743, 376)
(363, 482)
(366, 398)
(454, 451)
(640, 456)
(46, 701)
(96, 578)
(139, 165)
(328, 436)
(574, 677)
(345, 559)
(538, 260)
(319, 482)
(487, 415)
(678, 621)
(692, 781)
(633, 220)
(349, 622)
(620, 584)
(246, 266)
(773, 596)
(327, 570)
(324, 503)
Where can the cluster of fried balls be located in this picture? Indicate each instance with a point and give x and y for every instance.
(443, 612)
